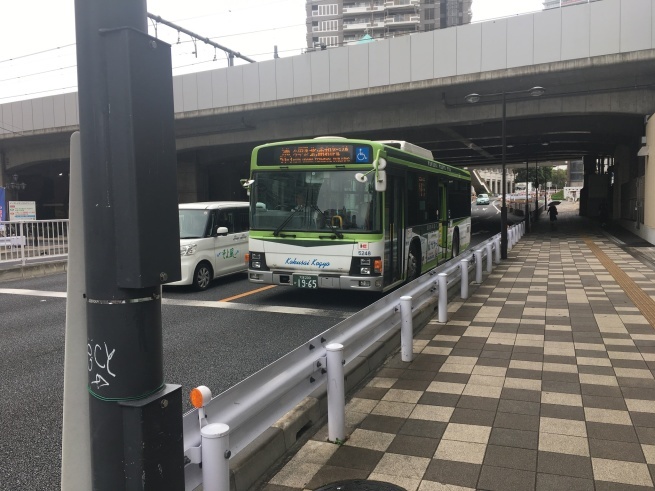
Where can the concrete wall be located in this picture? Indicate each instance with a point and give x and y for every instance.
(580, 31)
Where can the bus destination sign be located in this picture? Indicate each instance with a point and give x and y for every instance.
(323, 153)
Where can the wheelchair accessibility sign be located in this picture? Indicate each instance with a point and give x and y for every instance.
(362, 155)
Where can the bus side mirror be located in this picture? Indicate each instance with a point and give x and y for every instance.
(381, 181)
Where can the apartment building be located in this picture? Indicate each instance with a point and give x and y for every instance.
(340, 22)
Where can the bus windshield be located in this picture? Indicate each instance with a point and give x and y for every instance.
(313, 200)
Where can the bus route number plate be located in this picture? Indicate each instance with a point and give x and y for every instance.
(305, 281)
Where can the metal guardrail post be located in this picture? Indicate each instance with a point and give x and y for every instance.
(478, 266)
(497, 250)
(442, 281)
(406, 329)
(23, 243)
(335, 393)
(489, 249)
(215, 457)
(464, 283)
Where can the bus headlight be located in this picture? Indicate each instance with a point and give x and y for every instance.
(188, 250)
(365, 270)
(257, 260)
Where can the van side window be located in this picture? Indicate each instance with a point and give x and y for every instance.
(241, 220)
(224, 219)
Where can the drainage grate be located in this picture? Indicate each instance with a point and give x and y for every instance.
(360, 485)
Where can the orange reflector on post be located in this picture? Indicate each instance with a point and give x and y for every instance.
(200, 396)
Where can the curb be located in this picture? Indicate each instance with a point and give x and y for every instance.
(33, 270)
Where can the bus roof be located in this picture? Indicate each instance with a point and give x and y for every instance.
(408, 147)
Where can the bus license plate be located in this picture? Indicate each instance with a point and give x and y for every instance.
(305, 281)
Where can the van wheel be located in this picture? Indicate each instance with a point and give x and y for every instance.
(414, 262)
(455, 243)
(202, 276)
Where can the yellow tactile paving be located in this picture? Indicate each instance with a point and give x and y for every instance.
(641, 299)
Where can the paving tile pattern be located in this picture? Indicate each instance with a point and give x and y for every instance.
(544, 379)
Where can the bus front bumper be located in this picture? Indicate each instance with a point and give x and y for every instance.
(364, 283)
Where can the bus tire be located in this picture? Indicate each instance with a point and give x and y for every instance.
(455, 250)
(202, 276)
(414, 261)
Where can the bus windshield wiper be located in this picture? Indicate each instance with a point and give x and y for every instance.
(284, 223)
(338, 234)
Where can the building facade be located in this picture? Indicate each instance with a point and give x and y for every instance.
(340, 22)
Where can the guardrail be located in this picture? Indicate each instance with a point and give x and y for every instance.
(221, 429)
(34, 240)
(26, 241)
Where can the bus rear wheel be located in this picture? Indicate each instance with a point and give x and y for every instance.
(414, 262)
(202, 276)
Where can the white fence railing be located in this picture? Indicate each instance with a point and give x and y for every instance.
(246, 410)
(22, 242)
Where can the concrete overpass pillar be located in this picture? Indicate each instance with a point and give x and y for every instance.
(649, 178)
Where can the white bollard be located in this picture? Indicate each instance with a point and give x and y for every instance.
(336, 393)
(406, 329)
(442, 284)
(464, 271)
(215, 457)
(490, 266)
(497, 250)
(510, 238)
(478, 266)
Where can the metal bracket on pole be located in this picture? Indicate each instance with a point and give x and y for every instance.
(406, 329)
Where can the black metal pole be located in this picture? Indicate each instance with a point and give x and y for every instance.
(124, 335)
(503, 208)
(527, 199)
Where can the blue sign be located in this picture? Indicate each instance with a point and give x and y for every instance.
(362, 155)
(2, 205)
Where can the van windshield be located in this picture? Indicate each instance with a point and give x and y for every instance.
(193, 224)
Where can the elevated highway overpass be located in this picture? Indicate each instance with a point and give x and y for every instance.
(595, 61)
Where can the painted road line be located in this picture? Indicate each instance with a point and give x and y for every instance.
(241, 295)
(206, 304)
(32, 293)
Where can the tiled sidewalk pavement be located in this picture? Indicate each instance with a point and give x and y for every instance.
(542, 380)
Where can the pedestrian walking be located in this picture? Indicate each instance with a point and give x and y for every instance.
(552, 213)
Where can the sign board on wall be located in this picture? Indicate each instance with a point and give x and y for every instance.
(22, 210)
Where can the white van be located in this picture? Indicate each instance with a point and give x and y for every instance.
(213, 241)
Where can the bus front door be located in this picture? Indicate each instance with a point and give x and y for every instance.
(393, 229)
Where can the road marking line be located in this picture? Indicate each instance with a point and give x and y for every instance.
(639, 297)
(241, 295)
(206, 303)
(33, 293)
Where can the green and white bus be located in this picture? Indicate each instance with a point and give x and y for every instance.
(353, 214)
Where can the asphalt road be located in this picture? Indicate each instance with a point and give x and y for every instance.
(207, 341)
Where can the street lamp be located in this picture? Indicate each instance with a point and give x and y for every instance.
(15, 185)
(472, 99)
